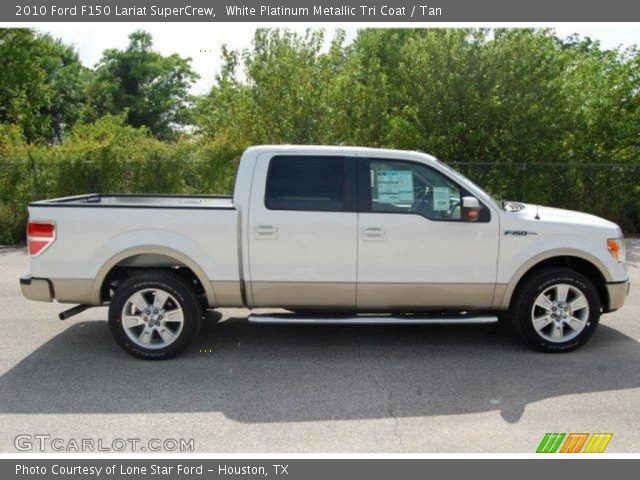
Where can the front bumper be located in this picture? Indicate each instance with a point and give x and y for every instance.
(38, 289)
(618, 292)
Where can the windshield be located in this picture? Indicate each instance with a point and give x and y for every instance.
(465, 181)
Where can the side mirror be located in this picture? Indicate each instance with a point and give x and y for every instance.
(470, 209)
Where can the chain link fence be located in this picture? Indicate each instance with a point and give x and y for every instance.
(609, 190)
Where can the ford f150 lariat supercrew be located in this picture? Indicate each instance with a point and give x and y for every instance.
(335, 235)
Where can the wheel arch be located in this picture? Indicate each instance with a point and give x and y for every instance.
(583, 262)
(148, 256)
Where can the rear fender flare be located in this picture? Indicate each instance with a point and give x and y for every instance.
(151, 249)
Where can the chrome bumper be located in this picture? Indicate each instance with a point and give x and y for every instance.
(618, 292)
(38, 289)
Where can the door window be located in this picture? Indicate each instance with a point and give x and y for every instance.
(406, 187)
(312, 183)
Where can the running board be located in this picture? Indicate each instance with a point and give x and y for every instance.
(373, 320)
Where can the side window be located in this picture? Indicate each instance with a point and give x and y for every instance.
(407, 187)
(311, 183)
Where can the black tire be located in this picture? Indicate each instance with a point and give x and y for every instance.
(522, 304)
(179, 290)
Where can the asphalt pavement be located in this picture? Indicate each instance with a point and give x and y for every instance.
(265, 388)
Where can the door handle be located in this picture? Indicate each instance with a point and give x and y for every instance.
(265, 232)
(373, 234)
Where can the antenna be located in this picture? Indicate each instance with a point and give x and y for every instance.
(537, 217)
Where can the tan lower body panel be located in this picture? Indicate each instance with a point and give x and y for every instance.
(617, 294)
(381, 296)
(37, 289)
(73, 290)
(373, 296)
(500, 298)
(80, 290)
(370, 296)
(304, 294)
(228, 294)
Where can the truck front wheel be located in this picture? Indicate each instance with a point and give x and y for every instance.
(154, 315)
(555, 310)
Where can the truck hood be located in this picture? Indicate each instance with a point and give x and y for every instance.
(558, 216)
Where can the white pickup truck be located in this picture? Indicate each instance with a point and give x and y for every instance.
(335, 235)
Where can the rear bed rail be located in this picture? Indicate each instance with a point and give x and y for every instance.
(128, 200)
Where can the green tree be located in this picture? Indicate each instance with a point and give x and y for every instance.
(42, 84)
(474, 95)
(23, 88)
(603, 92)
(364, 90)
(68, 80)
(151, 88)
(286, 95)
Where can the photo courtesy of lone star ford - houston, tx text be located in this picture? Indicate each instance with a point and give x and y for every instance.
(316, 240)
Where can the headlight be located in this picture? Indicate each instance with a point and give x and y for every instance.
(616, 248)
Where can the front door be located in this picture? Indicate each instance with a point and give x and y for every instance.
(417, 247)
(303, 232)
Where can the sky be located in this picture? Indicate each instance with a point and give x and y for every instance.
(203, 41)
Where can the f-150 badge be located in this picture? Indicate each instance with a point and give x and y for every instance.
(519, 233)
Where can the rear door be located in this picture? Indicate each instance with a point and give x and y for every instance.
(418, 246)
(303, 231)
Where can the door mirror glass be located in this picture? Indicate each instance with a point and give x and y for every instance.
(470, 202)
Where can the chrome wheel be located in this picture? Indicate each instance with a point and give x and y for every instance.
(560, 313)
(152, 318)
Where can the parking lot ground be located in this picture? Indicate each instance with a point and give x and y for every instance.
(261, 388)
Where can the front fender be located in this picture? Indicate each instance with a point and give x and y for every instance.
(516, 262)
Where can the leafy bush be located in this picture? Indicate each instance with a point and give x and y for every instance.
(527, 115)
(110, 156)
(106, 156)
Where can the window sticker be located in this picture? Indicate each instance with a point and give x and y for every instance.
(441, 199)
(395, 186)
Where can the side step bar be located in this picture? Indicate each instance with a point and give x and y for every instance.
(372, 320)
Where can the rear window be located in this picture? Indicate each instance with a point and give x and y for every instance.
(311, 183)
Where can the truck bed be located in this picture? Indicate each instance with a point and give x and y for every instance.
(123, 200)
(94, 231)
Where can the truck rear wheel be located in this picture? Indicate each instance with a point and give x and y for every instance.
(154, 315)
(555, 310)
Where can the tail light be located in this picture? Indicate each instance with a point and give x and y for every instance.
(40, 234)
